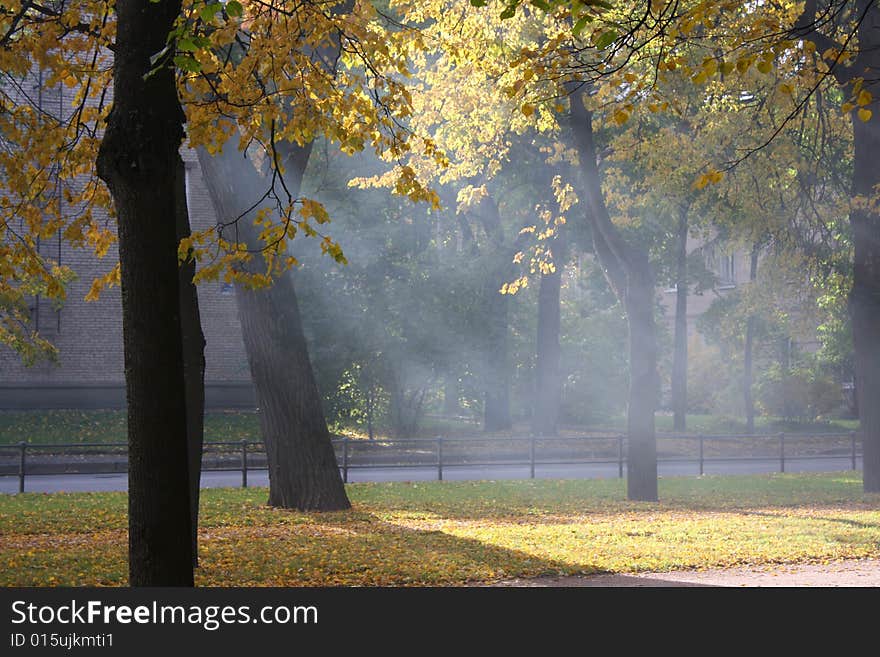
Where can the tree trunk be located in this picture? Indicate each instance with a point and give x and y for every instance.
(628, 271)
(641, 464)
(864, 299)
(303, 472)
(548, 382)
(496, 412)
(450, 396)
(140, 162)
(679, 353)
(193, 342)
(749, 348)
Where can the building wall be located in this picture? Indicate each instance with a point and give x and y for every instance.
(697, 304)
(89, 372)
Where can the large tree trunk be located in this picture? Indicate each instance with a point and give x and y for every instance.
(643, 381)
(864, 300)
(628, 271)
(748, 356)
(548, 382)
(303, 472)
(140, 162)
(679, 351)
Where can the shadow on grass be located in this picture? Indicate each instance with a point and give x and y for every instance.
(843, 521)
(361, 550)
(605, 580)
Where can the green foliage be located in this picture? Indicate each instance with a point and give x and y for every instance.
(803, 393)
(713, 381)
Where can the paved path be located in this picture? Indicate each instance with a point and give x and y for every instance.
(850, 573)
(109, 482)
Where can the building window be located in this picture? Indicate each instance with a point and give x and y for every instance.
(723, 265)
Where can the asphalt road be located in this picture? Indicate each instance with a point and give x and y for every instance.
(110, 482)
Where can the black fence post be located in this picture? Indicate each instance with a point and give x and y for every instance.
(531, 457)
(620, 457)
(345, 459)
(701, 455)
(439, 458)
(782, 452)
(244, 462)
(852, 444)
(22, 446)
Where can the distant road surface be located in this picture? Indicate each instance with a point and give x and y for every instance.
(110, 482)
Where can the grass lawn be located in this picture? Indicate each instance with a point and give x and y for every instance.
(717, 424)
(445, 533)
(69, 426)
(79, 426)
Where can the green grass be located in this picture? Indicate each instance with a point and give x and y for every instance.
(719, 424)
(66, 426)
(445, 533)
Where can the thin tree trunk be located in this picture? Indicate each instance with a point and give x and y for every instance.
(193, 341)
(679, 353)
(303, 472)
(140, 162)
(628, 271)
(548, 382)
(496, 412)
(450, 396)
(749, 349)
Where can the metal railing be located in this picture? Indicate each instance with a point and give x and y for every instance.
(441, 452)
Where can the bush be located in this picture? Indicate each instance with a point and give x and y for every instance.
(713, 382)
(799, 394)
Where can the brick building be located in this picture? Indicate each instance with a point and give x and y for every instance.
(88, 335)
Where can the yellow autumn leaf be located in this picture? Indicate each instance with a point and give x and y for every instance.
(865, 114)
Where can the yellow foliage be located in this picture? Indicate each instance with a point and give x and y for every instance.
(710, 177)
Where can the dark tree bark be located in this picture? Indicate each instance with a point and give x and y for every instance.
(679, 352)
(548, 381)
(749, 350)
(193, 341)
(140, 162)
(864, 298)
(303, 472)
(628, 270)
